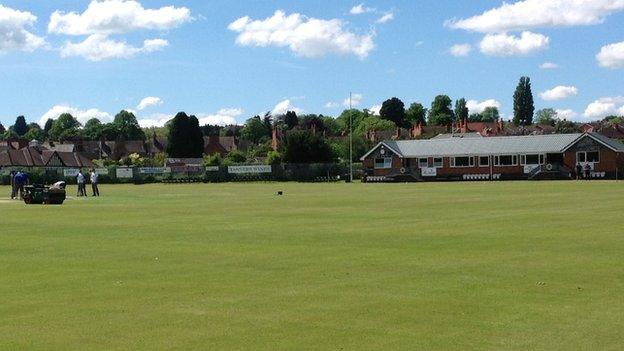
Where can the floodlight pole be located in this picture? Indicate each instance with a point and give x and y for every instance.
(350, 140)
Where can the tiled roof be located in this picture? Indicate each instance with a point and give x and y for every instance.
(35, 157)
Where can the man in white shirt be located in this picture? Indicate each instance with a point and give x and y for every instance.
(80, 178)
(94, 183)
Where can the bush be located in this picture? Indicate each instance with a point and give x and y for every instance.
(235, 157)
(274, 158)
(213, 160)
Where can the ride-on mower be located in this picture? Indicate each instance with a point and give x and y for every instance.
(38, 194)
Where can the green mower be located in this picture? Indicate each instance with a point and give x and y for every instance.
(38, 194)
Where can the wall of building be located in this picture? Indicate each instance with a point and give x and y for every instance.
(610, 161)
(369, 162)
(608, 158)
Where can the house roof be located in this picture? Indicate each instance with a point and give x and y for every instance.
(614, 144)
(458, 135)
(526, 144)
(61, 147)
(35, 157)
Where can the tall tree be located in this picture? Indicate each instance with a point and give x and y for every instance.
(416, 113)
(267, 121)
(461, 110)
(441, 112)
(211, 130)
(394, 110)
(93, 129)
(64, 128)
(354, 115)
(374, 123)
(565, 127)
(291, 119)
(196, 138)
(129, 126)
(305, 147)
(546, 116)
(523, 103)
(47, 127)
(254, 130)
(34, 132)
(489, 114)
(20, 127)
(2, 129)
(184, 137)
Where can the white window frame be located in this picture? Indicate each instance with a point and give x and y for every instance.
(488, 161)
(514, 160)
(441, 162)
(540, 160)
(420, 164)
(584, 153)
(470, 162)
(387, 164)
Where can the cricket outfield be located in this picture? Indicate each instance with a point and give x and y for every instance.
(435, 266)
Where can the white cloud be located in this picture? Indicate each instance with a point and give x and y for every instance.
(375, 109)
(475, 106)
(225, 116)
(149, 101)
(604, 107)
(567, 114)
(284, 106)
(460, 50)
(81, 115)
(611, 56)
(385, 18)
(548, 65)
(559, 93)
(117, 16)
(332, 104)
(360, 9)
(354, 101)
(529, 14)
(99, 47)
(155, 120)
(503, 44)
(13, 33)
(307, 37)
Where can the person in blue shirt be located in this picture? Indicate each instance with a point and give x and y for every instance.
(13, 185)
(21, 180)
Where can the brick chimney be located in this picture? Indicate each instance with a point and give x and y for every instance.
(464, 126)
(397, 134)
(274, 141)
(501, 126)
(417, 130)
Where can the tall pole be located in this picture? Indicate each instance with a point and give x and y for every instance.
(350, 140)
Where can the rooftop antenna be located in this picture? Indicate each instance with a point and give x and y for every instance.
(350, 139)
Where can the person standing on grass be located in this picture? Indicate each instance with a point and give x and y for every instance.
(94, 183)
(587, 171)
(13, 185)
(21, 179)
(80, 178)
(579, 171)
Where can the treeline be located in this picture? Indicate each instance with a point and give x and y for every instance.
(66, 128)
(302, 139)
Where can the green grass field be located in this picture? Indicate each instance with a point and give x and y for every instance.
(437, 266)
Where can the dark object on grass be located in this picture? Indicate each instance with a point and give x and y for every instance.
(280, 193)
(38, 194)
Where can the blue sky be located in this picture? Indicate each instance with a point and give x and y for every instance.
(197, 56)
